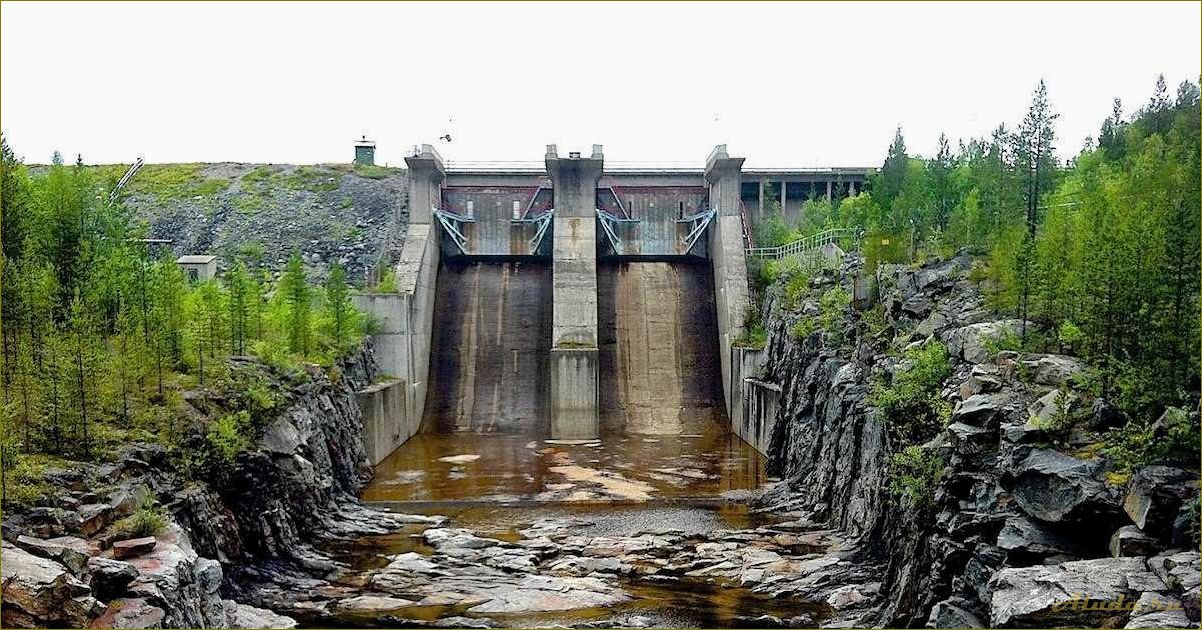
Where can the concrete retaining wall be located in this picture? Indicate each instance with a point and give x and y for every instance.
(385, 423)
(760, 404)
(402, 340)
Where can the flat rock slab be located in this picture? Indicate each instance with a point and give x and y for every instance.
(133, 547)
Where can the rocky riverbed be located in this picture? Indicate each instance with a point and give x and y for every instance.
(497, 568)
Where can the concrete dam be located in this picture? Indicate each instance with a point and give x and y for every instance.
(575, 301)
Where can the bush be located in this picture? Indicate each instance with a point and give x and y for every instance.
(752, 337)
(832, 306)
(1171, 440)
(913, 473)
(147, 520)
(230, 435)
(25, 480)
(910, 404)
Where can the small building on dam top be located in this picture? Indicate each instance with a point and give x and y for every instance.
(572, 298)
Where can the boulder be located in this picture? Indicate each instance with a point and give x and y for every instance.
(133, 612)
(983, 379)
(109, 578)
(1155, 495)
(68, 551)
(969, 343)
(1156, 610)
(1044, 410)
(1130, 541)
(1052, 486)
(94, 517)
(243, 616)
(1055, 370)
(371, 605)
(1023, 535)
(39, 591)
(133, 547)
(954, 613)
(1082, 593)
(980, 410)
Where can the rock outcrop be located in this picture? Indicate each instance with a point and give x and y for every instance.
(296, 488)
(1020, 519)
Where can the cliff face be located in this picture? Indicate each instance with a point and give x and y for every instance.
(294, 489)
(1014, 516)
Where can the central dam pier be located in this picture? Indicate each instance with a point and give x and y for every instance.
(572, 300)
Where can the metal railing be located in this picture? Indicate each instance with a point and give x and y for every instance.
(803, 246)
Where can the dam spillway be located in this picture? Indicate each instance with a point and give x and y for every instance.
(571, 301)
(660, 368)
(491, 348)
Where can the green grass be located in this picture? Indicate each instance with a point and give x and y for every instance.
(374, 172)
(175, 181)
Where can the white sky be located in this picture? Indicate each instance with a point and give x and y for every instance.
(804, 84)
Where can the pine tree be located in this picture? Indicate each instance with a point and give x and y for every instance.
(338, 304)
(295, 288)
(942, 191)
(1034, 150)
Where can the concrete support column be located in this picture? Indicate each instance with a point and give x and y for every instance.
(761, 208)
(426, 176)
(851, 189)
(723, 175)
(783, 197)
(828, 190)
(574, 361)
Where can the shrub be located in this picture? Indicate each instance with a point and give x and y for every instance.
(1173, 440)
(832, 305)
(230, 435)
(752, 337)
(25, 480)
(913, 473)
(910, 403)
(147, 520)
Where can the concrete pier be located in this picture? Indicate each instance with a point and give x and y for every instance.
(722, 175)
(573, 394)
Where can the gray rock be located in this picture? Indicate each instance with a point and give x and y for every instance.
(1023, 535)
(953, 613)
(980, 410)
(1156, 610)
(39, 591)
(1050, 596)
(69, 551)
(969, 342)
(133, 612)
(109, 578)
(1052, 486)
(1055, 370)
(1155, 495)
(1045, 409)
(1129, 541)
(133, 547)
(243, 616)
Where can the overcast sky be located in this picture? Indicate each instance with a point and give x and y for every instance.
(804, 84)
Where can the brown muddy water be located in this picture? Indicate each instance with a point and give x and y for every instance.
(449, 468)
(621, 485)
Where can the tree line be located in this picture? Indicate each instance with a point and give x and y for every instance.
(102, 332)
(1099, 255)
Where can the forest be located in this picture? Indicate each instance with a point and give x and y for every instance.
(1098, 255)
(104, 336)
